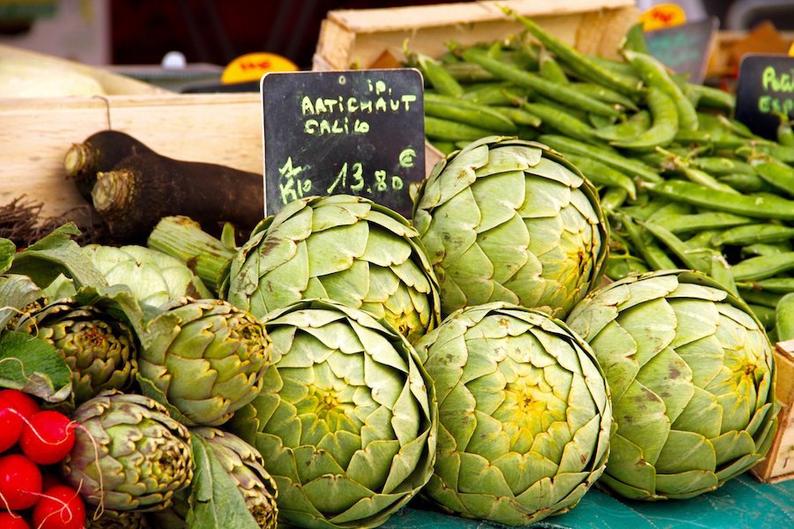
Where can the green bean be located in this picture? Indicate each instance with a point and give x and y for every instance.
(468, 72)
(495, 50)
(445, 147)
(495, 94)
(782, 153)
(527, 133)
(448, 58)
(760, 297)
(621, 68)
(600, 122)
(650, 251)
(603, 175)
(746, 183)
(754, 233)
(703, 178)
(784, 318)
(665, 123)
(765, 315)
(461, 111)
(629, 129)
(778, 285)
(685, 253)
(669, 211)
(602, 154)
(646, 210)
(704, 221)
(439, 77)
(763, 266)
(580, 64)
(713, 97)
(702, 239)
(614, 198)
(550, 69)
(635, 39)
(559, 107)
(778, 175)
(560, 121)
(747, 205)
(785, 136)
(519, 116)
(620, 266)
(721, 272)
(765, 249)
(655, 74)
(699, 137)
(462, 144)
(604, 94)
(445, 130)
(736, 127)
(719, 166)
(561, 93)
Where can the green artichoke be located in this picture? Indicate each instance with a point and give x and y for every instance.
(524, 414)
(511, 220)
(691, 375)
(94, 335)
(346, 420)
(144, 456)
(205, 358)
(119, 520)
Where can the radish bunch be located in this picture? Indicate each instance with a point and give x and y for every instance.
(30, 440)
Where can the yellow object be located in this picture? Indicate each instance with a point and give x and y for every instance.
(791, 50)
(663, 16)
(252, 66)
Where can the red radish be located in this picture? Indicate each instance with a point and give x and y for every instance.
(60, 507)
(47, 438)
(10, 426)
(12, 521)
(20, 482)
(22, 402)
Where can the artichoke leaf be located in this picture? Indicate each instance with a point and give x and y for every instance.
(33, 366)
(7, 252)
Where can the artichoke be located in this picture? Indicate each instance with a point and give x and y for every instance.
(524, 414)
(346, 420)
(511, 220)
(205, 358)
(691, 375)
(95, 335)
(119, 520)
(144, 456)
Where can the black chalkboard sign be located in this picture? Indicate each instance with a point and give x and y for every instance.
(685, 48)
(343, 132)
(765, 88)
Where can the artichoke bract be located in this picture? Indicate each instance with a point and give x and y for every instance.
(119, 520)
(95, 336)
(344, 248)
(144, 455)
(691, 374)
(346, 420)
(206, 358)
(524, 414)
(511, 220)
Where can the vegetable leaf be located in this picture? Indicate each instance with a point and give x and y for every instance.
(215, 500)
(7, 251)
(16, 295)
(32, 365)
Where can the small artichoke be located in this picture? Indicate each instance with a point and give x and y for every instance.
(343, 248)
(95, 337)
(144, 454)
(524, 414)
(346, 420)
(511, 220)
(206, 358)
(691, 375)
(119, 520)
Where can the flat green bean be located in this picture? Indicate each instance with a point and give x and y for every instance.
(438, 76)
(620, 266)
(704, 221)
(763, 266)
(779, 285)
(765, 315)
(703, 178)
(746, 183)
(765, 249)
(519, 116)
(550, 69)
(721, 272)
(446, 147)
(748, 205)
(603, 155)
(777, 174)
(719, 166)
(702, 239)
(688, 257)
(713, 97)
(603, 175)
(754, 233)
(604, 94)
(613, 198)
(561, 122)
(784, 318)
(785, 136)
(460, 111)
(760, 297)
(664, 127)
(627, 130)
(717, 140)
(651, 252)
(655, 74)
(446, 130)
(635, 39)
(495, 94)
(600, 122)
(561, 93)
(469, 73)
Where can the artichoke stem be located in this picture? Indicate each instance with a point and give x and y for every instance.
(183, 238)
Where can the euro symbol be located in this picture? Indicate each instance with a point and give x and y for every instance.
(407, 158)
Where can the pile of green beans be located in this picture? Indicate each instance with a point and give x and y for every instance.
(684, 185)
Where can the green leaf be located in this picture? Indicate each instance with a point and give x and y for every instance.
(7, 251)
(215, 500)
(33, 366)
(16, 294)
(149, 389)
(54, 254)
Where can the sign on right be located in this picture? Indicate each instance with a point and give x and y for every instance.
(765, 92)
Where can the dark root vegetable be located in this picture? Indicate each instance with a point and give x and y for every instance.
(99, 152)
(20, 482)
(146, 187)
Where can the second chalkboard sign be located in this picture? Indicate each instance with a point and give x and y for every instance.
(765, 91)
(343, 132)
(685, 48)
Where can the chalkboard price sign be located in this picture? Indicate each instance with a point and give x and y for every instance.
(343, 132)
(684, 48)
(765, 89)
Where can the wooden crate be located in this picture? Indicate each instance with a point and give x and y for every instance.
(357, 38)
(779, 463)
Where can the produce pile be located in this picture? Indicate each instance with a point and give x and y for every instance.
(340, 359)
